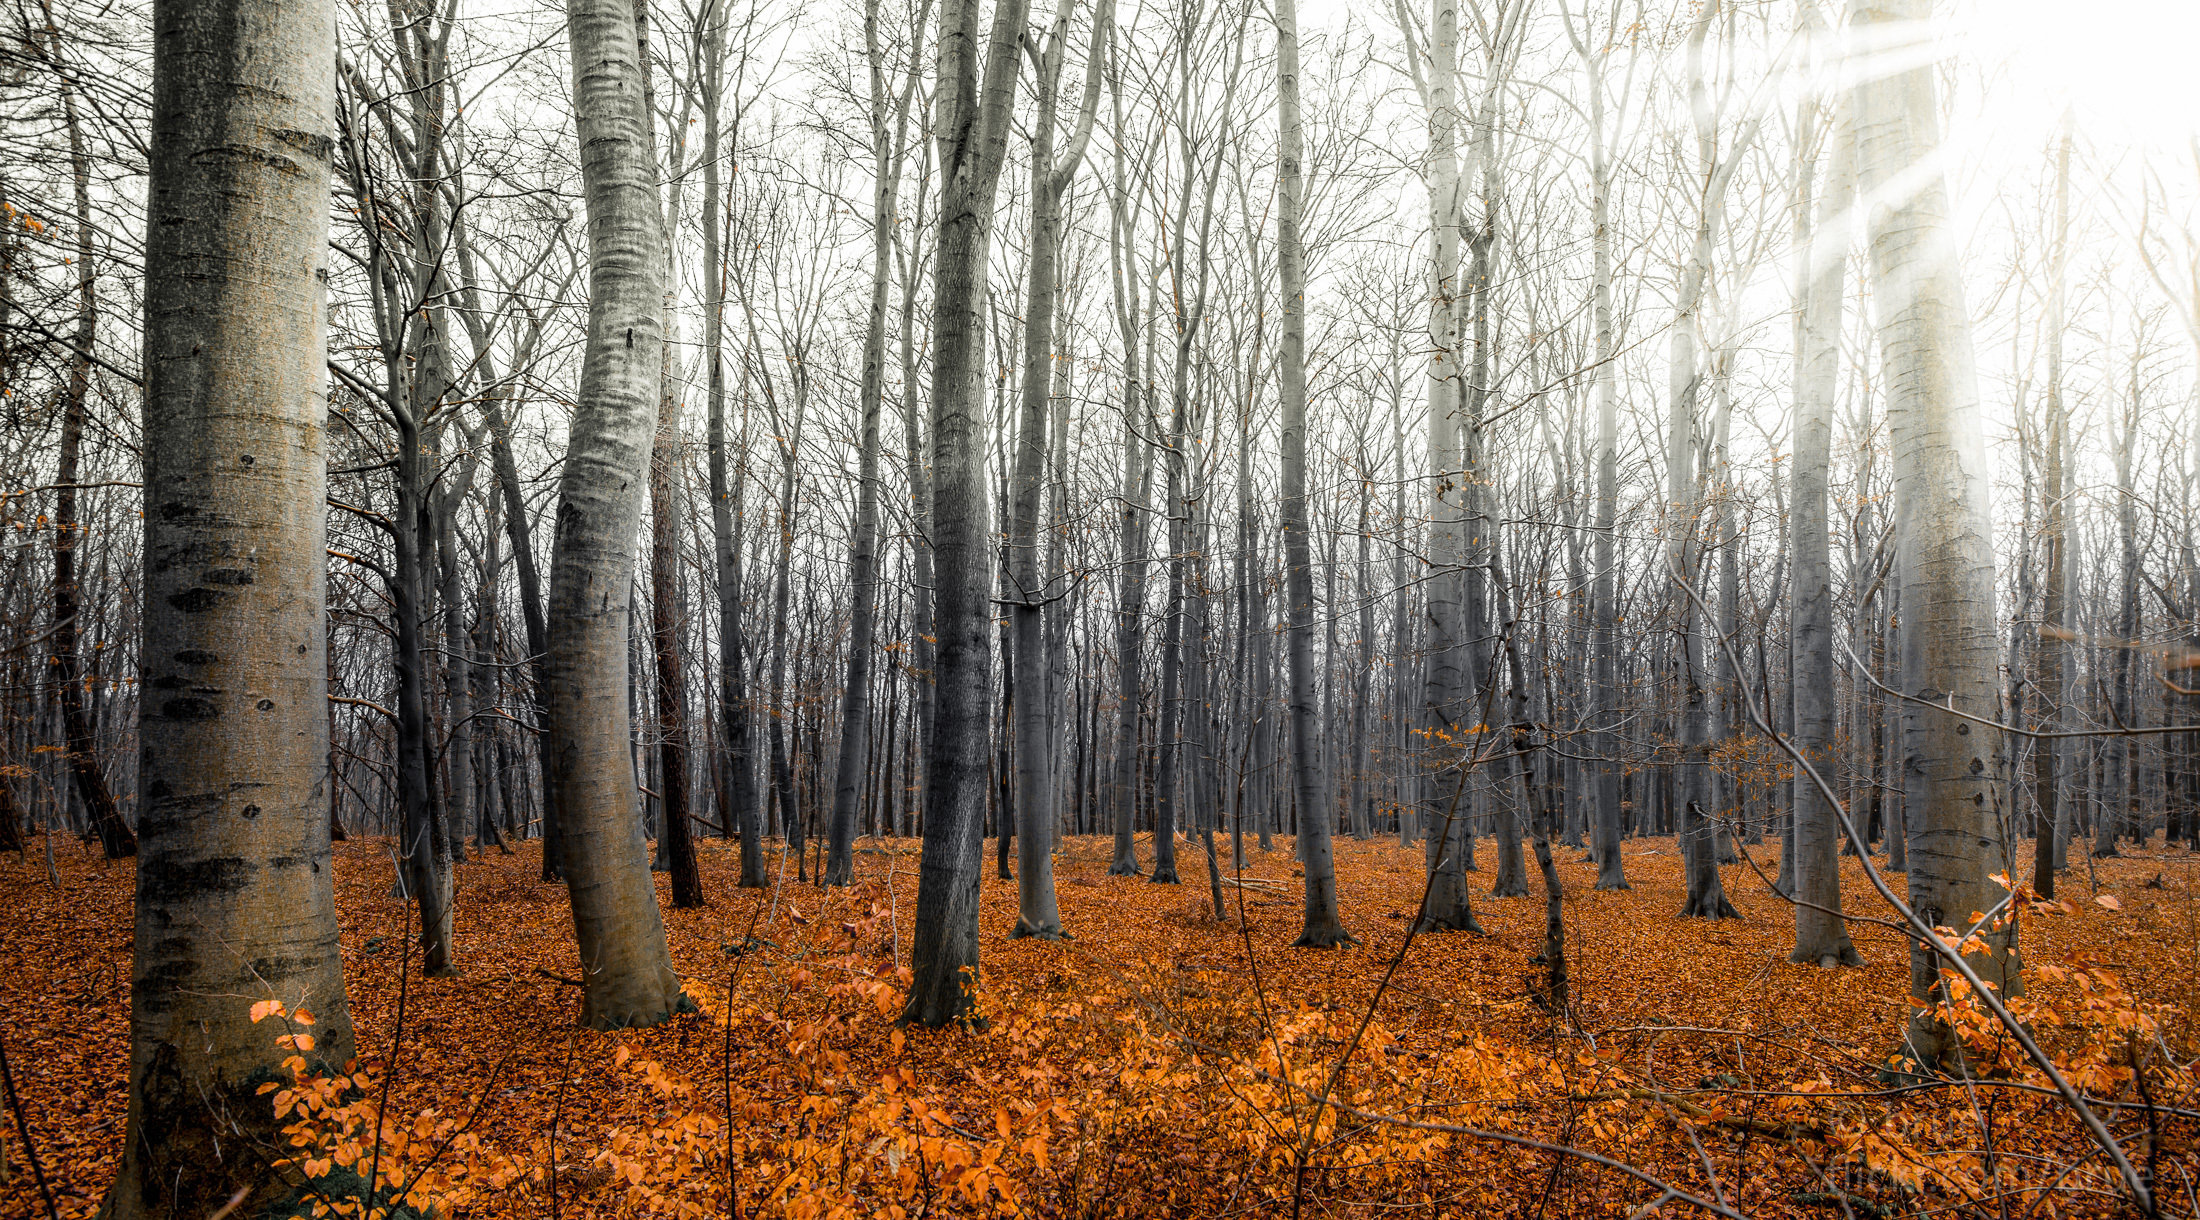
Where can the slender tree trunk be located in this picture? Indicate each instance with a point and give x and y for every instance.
(235, 893)
(1324, 927)
(2054, 648)
(79, 742)
(665, 513)
(855, 707)
(1698, 696)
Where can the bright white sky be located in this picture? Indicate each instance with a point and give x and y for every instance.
(2125, 66)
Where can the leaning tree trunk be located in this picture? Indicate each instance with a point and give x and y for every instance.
(235, 891)
(1821, 935)
(972, 124)
(1943, 530)
(621, 934)
(1324, 927)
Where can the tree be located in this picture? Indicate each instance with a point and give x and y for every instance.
(1446, 689)
(1949, 648)
(1324, 927)
(1820, 934)
(1037, 913)
(235, 895)
(888, 153)
(115, 838)
(972, 130)
(629, 979)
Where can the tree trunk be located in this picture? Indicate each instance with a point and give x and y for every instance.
(1821, 935)
(1324, 927)
(972, 126)
(79, 742)
(855, 702)
(1949, 650)
(235, 891)
(628, 970)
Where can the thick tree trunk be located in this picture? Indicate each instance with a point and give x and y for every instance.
(628, 970)
(1949, 649)
(235, 892)
(972, 126)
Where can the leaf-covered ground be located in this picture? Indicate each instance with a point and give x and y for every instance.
(1163, 1062)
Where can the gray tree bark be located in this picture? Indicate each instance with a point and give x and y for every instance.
(1324, 927)
(1949, 650)
(972, 127)
(235, 893)
(1821, 935)
(627, 968)
(1037, 912)
(855, 699)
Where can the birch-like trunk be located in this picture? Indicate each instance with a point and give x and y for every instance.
(235, 894)
(1821, 935)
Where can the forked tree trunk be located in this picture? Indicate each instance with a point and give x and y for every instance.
(629, 979)
(235, 892)
(1038, 913)
(972, 125)
(1949, 650)
(1324, 927)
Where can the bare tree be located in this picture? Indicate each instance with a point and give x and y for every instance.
(236, 899)
(629, 979)
(972, 129)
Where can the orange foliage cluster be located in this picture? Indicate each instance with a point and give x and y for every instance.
(1163, 1062)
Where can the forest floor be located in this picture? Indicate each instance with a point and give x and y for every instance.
(1140, 1068)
